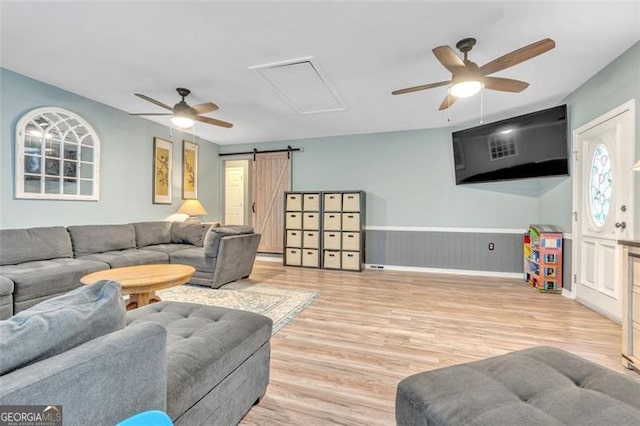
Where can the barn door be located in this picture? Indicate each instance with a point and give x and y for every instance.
(271, 178)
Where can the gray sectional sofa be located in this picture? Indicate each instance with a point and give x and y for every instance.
(39, 263)
(203, 365)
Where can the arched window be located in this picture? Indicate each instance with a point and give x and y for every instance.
(57, 156)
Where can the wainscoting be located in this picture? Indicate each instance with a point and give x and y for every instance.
(456, 249)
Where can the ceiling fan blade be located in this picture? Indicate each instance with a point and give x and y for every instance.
(153, 101)
(518, 56)
(417, 88)
(213, 121)
(505, 84)
(151, 113)
(449, 58)
(447, 102)
(205, 108)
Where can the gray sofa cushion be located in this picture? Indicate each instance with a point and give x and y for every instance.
(538, 386)
(167, 248)
(131, 257)
(89, 239)
(61, 323)
(213, 236)
(6, 307)
(194, 257)
(205, 344)
(6, 286)
(6, 298)
(47, 277)
(26, 245)
(188, 233)
(150, 233)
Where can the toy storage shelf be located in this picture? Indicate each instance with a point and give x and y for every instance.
(325, 229)
(542, 247)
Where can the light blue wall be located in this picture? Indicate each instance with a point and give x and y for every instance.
(408, 177)
(125, 162)
(614, 85)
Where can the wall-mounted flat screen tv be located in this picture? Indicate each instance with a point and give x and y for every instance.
(527, 146)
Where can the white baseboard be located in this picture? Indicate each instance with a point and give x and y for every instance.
(497, 274)
(568, 293)
(277, 258)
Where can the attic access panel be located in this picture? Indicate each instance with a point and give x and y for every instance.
(301, 84)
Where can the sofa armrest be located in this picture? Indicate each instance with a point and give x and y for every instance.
(214, 235)
(109, 378)
(235, 258)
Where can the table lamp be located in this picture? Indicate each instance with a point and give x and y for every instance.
(636, 167)
(193, 208)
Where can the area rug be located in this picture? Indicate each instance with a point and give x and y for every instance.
(280, 304)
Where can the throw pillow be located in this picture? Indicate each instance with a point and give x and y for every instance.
(60, 323)
(213, 236)
(187, 233)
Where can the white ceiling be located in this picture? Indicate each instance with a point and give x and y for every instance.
(107, 51)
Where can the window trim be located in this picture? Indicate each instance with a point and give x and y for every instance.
(20, 135)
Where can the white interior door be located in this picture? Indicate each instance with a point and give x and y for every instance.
(234, 196)
(603, 207)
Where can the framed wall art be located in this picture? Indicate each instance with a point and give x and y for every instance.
(162, 154)
(189, 170)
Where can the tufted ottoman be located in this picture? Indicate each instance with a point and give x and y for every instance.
(217, 360)
(538, 386)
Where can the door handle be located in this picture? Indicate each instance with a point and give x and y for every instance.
(253, 207)
(621, 225)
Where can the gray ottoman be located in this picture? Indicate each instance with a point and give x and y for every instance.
(538, 386)
(217, 360)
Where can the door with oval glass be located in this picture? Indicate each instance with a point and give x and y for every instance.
(602, 204)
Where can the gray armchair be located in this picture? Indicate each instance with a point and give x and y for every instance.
(228, 254)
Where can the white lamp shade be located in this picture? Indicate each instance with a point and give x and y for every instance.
(192, 208)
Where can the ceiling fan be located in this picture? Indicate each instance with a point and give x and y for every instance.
(467, 78)
(183, 114)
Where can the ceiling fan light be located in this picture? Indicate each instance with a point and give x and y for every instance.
(466, 89)
(182, 122)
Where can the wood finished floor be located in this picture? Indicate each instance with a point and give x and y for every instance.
(340, 360)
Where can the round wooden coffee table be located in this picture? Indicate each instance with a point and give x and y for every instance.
(141, 282)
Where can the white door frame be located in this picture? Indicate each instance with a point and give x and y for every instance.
(577, 174)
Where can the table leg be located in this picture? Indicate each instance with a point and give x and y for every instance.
(138, 300)
(154, 298)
